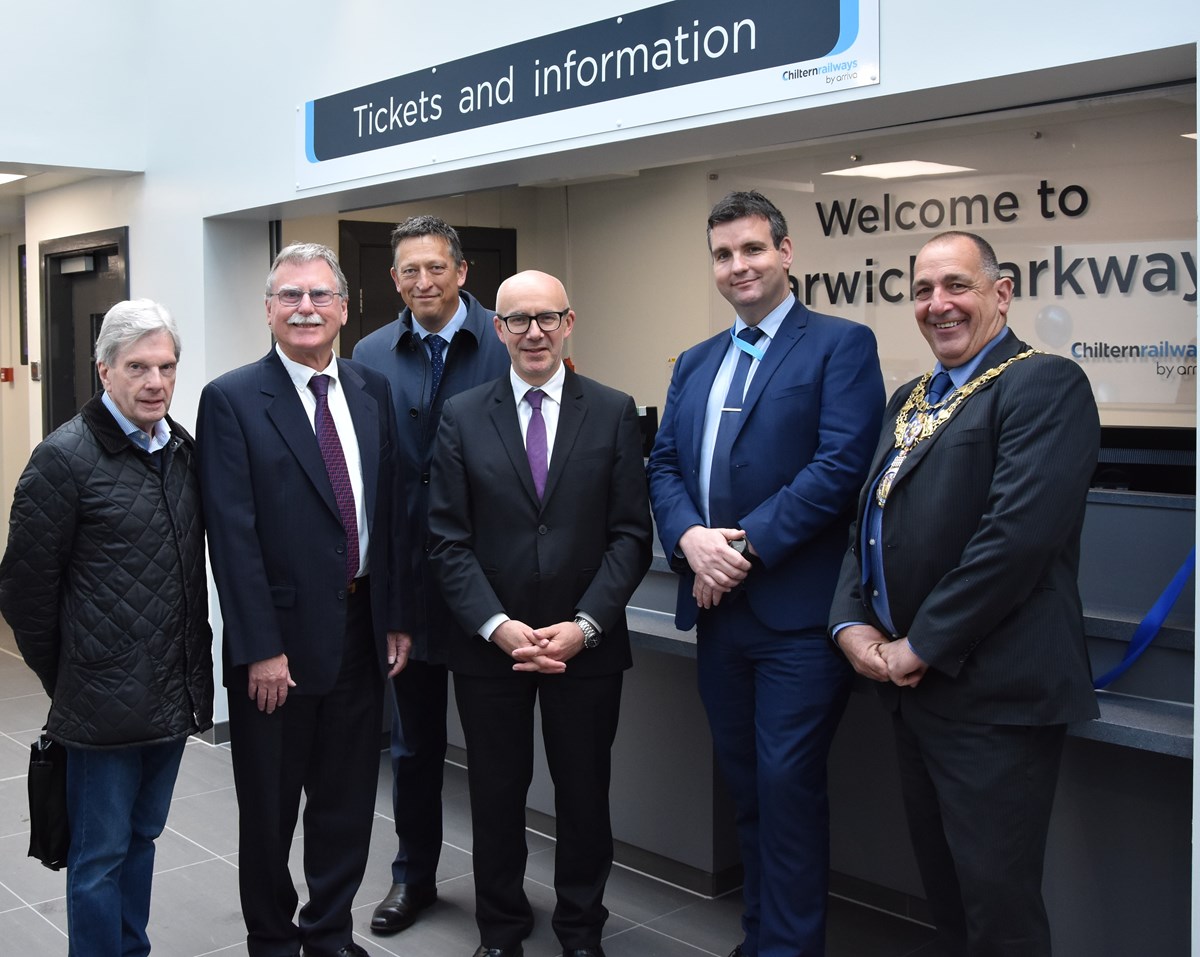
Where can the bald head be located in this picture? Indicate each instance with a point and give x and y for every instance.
(530, 283)
(533, 321)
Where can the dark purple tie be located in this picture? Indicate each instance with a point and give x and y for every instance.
(535, 440)
(339, 475)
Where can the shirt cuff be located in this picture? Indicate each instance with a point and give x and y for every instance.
(488, 628)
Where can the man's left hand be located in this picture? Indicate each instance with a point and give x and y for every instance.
(399, 645)
(556, 644)
(904, 667)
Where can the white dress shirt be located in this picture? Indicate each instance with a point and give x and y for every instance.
(340, 411)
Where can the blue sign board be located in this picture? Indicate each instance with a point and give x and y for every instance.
(653, 49)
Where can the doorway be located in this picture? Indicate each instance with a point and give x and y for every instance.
(83, 277)
(366, 256)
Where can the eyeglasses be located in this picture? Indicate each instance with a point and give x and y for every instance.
(290, 296)
(518, 322)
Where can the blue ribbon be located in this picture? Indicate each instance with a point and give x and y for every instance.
(1150, 625)
(746, 347)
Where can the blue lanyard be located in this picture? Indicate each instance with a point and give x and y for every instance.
(742, 344)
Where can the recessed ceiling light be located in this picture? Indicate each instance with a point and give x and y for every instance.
(900, 170)
(10, 177)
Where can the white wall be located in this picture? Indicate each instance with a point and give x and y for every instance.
(205, 104)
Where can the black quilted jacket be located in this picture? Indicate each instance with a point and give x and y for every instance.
(104, 584)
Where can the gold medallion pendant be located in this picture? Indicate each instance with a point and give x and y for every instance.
(917, 419)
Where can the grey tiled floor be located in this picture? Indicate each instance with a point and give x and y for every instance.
(195, 907)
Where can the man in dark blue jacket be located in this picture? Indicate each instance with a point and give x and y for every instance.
(441, 344)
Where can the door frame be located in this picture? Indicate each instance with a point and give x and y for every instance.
(51, 250)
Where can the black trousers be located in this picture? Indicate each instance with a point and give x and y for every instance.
(418, 762)
(978, 800)
(326, 746)
(579, 723)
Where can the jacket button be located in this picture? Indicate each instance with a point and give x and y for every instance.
(340, 549)
(413, 413)
(542, 529)
(424, 478)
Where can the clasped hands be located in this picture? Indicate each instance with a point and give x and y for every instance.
(718, 568)
(876, 656)
(539, 649)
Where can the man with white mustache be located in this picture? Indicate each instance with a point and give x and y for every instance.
(305, 517)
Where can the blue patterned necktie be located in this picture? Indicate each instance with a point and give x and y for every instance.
(722, 510)
(339, 475)
(938, 386)
(436, 344)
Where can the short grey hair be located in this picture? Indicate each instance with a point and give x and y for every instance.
(127, 322)
(299, 253)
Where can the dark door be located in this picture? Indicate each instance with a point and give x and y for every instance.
(366, 257)
(83, 277)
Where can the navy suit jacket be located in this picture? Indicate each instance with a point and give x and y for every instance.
(809, 422)
(476, 355)
(275, 536)
(584, 547)
(981, 546)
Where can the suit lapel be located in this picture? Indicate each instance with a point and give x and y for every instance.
(790, 332)
(286, 411)
(704, 375)
(1003, 351)
(508, 430)
(570, 419)
(364, 413)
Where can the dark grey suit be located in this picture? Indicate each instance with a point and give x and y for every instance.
(981, 555)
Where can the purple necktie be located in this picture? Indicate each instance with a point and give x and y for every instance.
(339, 475)
(535, 441)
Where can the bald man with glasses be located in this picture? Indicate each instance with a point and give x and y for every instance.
(540, 528)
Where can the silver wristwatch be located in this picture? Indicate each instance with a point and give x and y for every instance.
(591, 634)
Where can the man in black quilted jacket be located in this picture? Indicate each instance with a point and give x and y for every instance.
(103, 583)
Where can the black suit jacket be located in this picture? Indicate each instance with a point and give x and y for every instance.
(496, 548)
(275, 536)
(981, 546)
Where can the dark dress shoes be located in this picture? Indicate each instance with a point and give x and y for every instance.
(583, 952)
(736, 952)
(400, 907)
(350, 950)
(517, 951)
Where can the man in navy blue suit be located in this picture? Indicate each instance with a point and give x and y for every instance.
(766, 437)
(441, 344)
(299, 483)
